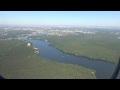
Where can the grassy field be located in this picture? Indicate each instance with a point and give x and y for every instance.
(101, 46)
(17, 61)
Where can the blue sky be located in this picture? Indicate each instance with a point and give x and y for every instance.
(82, 18)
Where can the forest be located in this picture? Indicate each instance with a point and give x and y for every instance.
(100, 46)
(17, 61)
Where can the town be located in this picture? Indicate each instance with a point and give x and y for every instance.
(46, 30)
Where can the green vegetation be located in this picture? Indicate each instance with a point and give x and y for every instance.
(14, 33)
(17, 61)
(101, 46)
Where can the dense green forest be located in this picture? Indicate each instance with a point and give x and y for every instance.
(100, 46)
(17, 61)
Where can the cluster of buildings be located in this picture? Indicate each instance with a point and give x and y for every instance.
(66, 32)
(117, 33)
(50, 30)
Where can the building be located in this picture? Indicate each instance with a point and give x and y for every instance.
(29, 44)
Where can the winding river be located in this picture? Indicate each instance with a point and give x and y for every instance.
(103, 69)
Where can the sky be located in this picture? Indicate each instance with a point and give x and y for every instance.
(81, 18)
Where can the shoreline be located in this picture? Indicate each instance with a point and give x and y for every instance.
(77, 54)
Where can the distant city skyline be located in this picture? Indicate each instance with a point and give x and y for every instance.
(75, 18)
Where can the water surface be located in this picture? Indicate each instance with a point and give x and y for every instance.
(103, 69)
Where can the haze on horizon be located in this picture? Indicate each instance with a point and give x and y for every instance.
(80, 18)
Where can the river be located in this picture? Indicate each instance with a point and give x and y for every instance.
(103, 69)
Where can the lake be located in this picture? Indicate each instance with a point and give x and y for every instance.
(103, 69)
